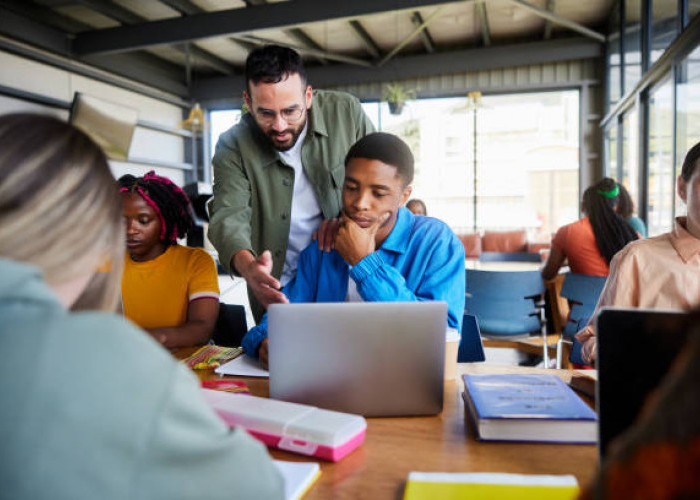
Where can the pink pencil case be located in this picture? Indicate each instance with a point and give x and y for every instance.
(303, 429)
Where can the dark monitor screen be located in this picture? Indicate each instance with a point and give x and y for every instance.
(636, 347)
(110, 125)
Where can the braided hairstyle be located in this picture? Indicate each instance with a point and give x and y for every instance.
(611, 231)
(169, 201)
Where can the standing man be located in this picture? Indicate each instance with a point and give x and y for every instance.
(279, 172)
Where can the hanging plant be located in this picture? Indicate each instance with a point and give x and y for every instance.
(396, 96)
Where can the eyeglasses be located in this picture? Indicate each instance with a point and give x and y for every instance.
(290, 115)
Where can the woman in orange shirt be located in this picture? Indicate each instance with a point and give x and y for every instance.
(590, 243)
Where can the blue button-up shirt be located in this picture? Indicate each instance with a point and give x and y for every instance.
(421, 259)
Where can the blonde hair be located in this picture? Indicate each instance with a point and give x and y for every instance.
(59, 206)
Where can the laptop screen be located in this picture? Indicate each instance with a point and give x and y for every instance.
(636, 347)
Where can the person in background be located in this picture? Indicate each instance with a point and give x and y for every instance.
(625, 208)
(417, 207)
(382, 251)
(590, 243)
(169, 290)
(99, 410)
(662, 272)
(278, 173)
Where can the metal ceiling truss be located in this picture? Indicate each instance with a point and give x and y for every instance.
(125, 16)
(119, 49)
(425, 65)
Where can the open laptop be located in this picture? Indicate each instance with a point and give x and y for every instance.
(369, 358)
(636, 347)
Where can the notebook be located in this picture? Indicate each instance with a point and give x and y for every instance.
(299, 477)
(636, 347)
(540, 408)
(369, 358)
(488, 486)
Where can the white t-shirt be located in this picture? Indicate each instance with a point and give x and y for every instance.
(306, 212)
(353, 294)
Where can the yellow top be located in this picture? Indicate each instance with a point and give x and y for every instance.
(156, 293)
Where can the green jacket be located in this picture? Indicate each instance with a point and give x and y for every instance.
(92, 407)
(253, 187)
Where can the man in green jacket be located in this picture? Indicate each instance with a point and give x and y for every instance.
(279, 172)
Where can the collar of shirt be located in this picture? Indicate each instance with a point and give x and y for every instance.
(398, 238)
(687, 245)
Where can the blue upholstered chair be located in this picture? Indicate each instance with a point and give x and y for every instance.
(582, 293)
(504, 303)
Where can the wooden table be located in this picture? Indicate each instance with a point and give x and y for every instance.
(394, 447)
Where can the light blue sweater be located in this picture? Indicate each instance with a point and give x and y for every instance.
(93, 408)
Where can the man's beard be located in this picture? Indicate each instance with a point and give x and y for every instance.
(289, 144)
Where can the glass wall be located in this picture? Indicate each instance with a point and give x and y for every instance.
(630, 154)
(669, 105)
(614, 58)
(687, 110)
(664, 26)
(661, 182)
(632, 43)
(532, 184)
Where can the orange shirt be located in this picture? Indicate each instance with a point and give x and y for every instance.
(657, 273)
(157, 293)
(577, 242)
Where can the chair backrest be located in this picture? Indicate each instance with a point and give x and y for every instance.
(582, 292)
(509, 257)
(502, 301)
(471, 349)
(231, 325)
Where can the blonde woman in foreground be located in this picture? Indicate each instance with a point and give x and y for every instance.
(92, 407)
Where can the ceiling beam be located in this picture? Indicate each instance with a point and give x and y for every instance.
(370, 45)
(544, 13)
(484, 23)
(235, 22)
(44, 15)
(295, 33)
(424, 34)
(125, 16)
(547, 23)
(305, 50)
(187, 8)
(424, 65)
(34, 33)
(410, 36)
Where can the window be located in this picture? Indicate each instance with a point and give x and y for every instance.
(614, 58)
(220, 122)
(661, 185)
(611, 150)
(532, 183)
(663, 26)
(632, 44)
(630, 154)
(687, 111)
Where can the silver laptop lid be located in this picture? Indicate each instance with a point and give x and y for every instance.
(369, 358)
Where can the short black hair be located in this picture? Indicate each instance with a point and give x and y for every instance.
(386, 148)
(419, 202)
(690, 162)
(272, 64)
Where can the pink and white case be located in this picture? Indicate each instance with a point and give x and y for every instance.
(298, 428)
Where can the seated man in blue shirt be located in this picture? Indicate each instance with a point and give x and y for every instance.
(382, 251)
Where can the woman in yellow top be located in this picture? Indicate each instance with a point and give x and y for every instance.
(169, 290)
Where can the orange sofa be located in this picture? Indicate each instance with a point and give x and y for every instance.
(499, 241)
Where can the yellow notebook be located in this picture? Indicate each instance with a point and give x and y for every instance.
(487, 486)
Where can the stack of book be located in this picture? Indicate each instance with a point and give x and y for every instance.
(540, 408)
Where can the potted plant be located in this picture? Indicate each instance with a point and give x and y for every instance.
(396, 96)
